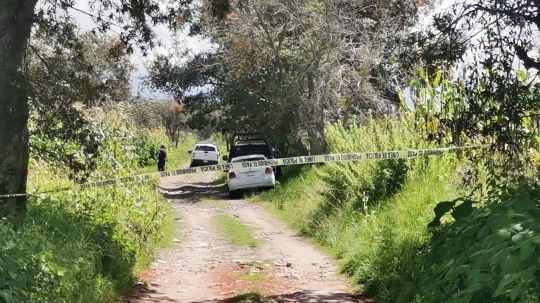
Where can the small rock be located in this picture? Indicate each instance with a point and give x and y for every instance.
(176, 241)
(289, 264)
(279, 262)
(227, 292)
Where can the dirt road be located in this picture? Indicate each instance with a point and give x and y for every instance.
(202, 266)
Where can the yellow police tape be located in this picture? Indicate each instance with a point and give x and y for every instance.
(384, 155)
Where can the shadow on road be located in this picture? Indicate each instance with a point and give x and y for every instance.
(300, 297)
(194, 192)
(306, 296)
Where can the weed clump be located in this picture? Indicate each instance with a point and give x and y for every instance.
(371, 215)
(85, 246)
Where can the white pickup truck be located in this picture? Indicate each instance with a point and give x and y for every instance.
(204, 154)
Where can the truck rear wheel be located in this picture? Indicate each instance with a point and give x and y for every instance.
(235, 194)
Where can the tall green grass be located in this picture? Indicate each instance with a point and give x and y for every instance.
(372, 216)
(177, 156)
(235, 231)
(85, 246)
(80, 247)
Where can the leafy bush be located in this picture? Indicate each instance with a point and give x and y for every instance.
(490, 255)
(535, 156)
(85, 246)
(113, 146)
(79, 247)
(364, 184)
(380, 240)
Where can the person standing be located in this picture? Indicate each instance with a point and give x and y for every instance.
(162, 158)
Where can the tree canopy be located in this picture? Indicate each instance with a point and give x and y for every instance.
(23, 21)
(291, 67)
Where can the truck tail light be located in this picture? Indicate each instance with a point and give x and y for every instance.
(268, 170)
(232, 175)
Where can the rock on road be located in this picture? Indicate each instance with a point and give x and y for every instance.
(203, 267)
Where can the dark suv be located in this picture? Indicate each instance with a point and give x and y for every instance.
(251, 144)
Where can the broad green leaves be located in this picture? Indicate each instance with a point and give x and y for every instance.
(458, 211)
(489, 254)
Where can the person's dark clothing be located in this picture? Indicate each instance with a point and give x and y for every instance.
(162, 158)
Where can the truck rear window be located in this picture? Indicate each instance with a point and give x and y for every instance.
(248, 159)
(205, 148)
(246, 150)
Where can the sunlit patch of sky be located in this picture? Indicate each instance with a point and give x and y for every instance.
(180, 46)
(175, 44)
(169, 43)
(475, 52)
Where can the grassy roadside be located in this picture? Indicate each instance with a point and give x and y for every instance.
(371, 216)
(235, 231)
(177, 157)
(378, 250)
(86, 245)
(171, 230)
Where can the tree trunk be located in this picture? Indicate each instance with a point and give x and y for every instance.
(16, 18)
(317, 141)
(300, 146)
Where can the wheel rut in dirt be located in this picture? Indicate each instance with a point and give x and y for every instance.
(203, 266)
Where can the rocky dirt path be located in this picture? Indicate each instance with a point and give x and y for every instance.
(203, 267)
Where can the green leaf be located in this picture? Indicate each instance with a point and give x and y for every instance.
(502, 285)
(499, 221)
(503, 234)
(463, 210)
(514, 293)
(456, 271)
(526, 249)
(511, 264)
(440, 210)
(422, 74)
(483, 232)
(500, 255)
(521, 75)
(528, 274)
(474, 287)
(6, 296)
(519, 236)
(461, 298)
(523, 204)
(437, 79)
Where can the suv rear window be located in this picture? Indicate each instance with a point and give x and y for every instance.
(205, 148)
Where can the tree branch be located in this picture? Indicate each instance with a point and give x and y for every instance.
(528, 62)
(40, 57)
